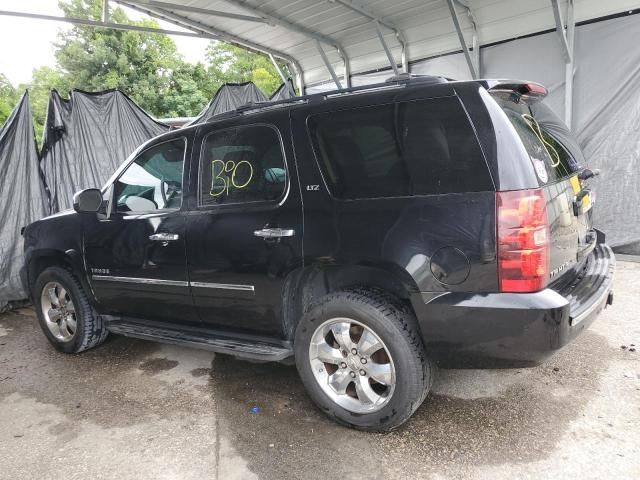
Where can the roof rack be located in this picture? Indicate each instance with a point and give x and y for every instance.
(401, 80)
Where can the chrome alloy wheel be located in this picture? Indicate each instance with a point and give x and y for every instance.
(58, 311)
(352, 365)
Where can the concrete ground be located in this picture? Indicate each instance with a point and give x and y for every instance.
(135, 409)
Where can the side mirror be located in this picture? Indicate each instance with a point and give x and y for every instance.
(87, 201)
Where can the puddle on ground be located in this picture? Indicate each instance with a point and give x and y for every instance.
(156, 365)
(519, 420)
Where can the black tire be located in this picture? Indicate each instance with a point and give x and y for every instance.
(90, 330)
(395, 324)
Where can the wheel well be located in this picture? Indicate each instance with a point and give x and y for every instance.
(40, 263)
(306, 285)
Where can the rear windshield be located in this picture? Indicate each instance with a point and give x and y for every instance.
(554, 152)
(402, 149)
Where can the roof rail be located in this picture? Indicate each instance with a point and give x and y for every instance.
(401, 80)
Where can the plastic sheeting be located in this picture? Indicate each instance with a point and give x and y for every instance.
(229, 97)
(87, 137)
(22, 196)
(283, 92)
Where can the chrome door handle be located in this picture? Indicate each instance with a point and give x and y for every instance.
(274, 232)
(164, 237)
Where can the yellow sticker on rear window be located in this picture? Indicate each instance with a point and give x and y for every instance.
(575, 184)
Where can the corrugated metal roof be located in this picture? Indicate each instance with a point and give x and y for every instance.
(287, 27)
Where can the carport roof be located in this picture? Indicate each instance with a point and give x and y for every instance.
(346, 30)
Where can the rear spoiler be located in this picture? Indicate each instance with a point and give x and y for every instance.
(517, 90)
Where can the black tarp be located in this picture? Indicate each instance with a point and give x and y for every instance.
(229, 97)
(22, 196)
(87, 137)
(283, 92)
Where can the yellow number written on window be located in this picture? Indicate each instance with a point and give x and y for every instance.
(229, 174)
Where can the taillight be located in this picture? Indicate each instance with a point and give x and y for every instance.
(523, 241)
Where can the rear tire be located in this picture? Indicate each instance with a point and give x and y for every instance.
(361, 358)
(64, 313)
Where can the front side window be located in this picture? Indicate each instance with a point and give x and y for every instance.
(154, 180)
(403, 149)
(241, 165)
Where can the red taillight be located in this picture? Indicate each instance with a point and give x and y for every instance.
(523, 241)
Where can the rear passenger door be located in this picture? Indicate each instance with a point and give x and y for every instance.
(245, 231)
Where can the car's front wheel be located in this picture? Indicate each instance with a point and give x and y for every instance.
(64, 312)
(361, 359)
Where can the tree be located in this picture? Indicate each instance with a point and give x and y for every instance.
(228, 63)
(43, 80)
(145, 66)
(8, 98)
(140, 64)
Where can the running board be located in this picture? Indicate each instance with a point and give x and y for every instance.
(245, 347)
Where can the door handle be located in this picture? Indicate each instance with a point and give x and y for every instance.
(267, 233)
(164, 237)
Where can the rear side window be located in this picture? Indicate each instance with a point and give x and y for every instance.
(408, 148)
(242, 165)
(540, 132)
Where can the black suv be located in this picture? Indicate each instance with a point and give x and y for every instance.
(370, 233)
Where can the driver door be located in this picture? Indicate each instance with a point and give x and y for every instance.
(135, 254)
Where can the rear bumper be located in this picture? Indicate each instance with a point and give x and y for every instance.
(499, 330)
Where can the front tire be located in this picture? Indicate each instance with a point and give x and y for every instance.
(361, 359)
(64, 312)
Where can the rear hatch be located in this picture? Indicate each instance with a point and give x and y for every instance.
(559, 166)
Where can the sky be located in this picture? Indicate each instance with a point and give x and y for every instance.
(26, 44)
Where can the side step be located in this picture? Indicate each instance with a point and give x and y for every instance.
(246, 346)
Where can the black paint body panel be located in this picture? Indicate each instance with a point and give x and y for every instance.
(440, 250)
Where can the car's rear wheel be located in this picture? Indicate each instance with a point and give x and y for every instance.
(361, 359)
(64, 312)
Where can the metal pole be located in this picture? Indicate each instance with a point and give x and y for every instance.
(276, 20)
(114, 26)
(207, 31)
(465, 49)
(568, 72)
(328, 65)
(105, 11)
(372, 16)
(566, 50)
(386, 49)
(282, 76)
(201, 11)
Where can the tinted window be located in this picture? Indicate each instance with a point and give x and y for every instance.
(243, 164)
(410, 148)
(551, 157)
(154, 180)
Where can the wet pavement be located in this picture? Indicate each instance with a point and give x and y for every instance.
(136, 409)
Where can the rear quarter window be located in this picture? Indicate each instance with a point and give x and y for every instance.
(408, 148)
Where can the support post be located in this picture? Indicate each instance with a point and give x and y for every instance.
(392, 62)
(105, 11)
(354, 7)
(568, 72)
(282, 76)
(463, 43)
(332, 72)
(566, 40)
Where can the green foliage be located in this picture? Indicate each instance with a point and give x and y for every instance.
(43, 79)
(8, 98)
(229, 63)
(145, 66)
